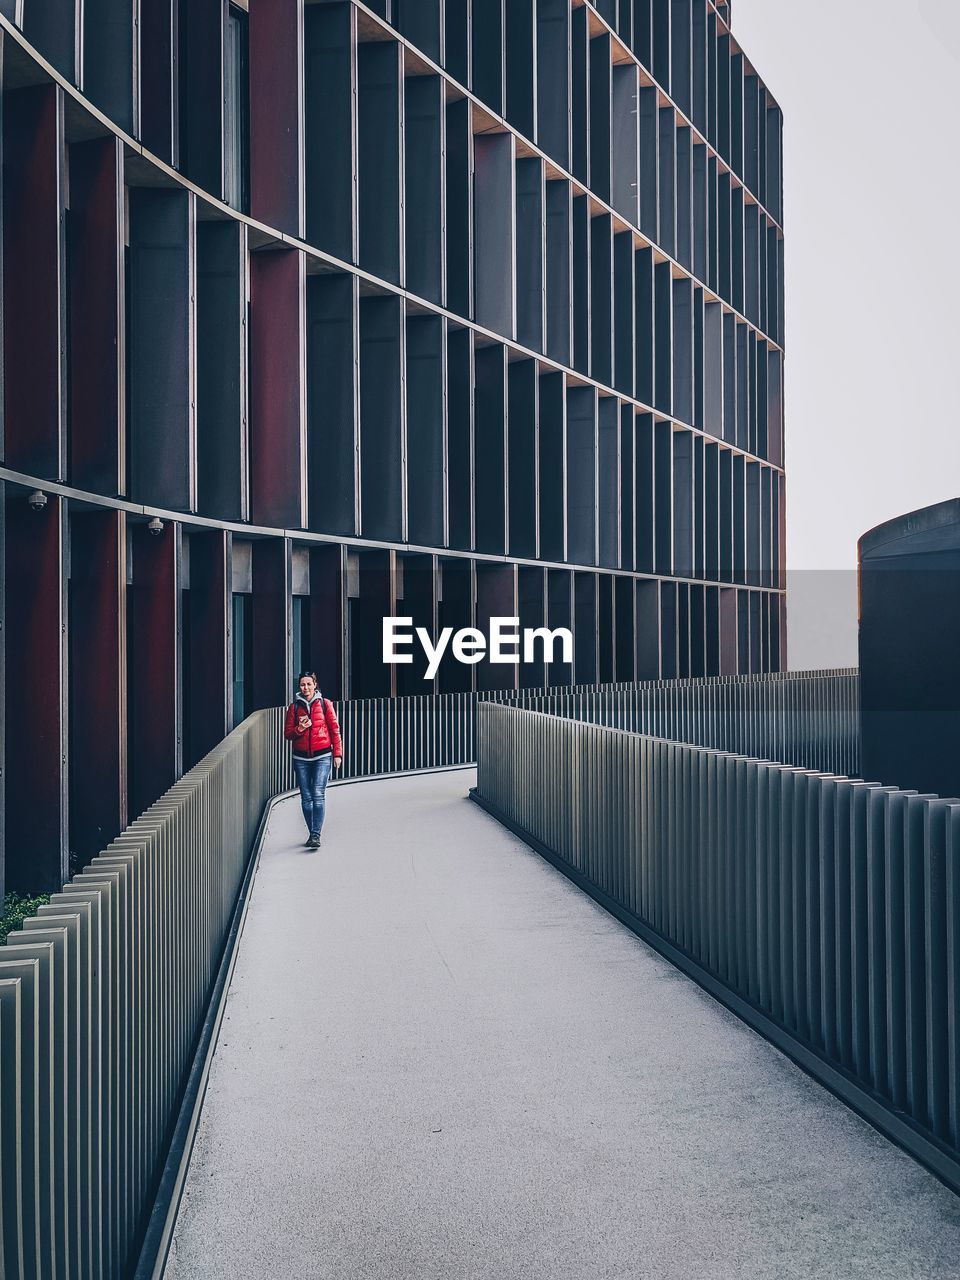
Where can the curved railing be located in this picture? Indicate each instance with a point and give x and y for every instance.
(823, 910)
(102, 997)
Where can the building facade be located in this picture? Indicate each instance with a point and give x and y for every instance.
(319, 312)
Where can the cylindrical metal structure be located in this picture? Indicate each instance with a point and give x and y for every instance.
(909, 622)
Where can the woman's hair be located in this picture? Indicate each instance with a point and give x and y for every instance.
(312, 675)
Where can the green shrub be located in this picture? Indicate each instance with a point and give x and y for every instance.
(16, 909)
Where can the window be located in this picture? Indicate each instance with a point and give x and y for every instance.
(235, 112)
(242, 651)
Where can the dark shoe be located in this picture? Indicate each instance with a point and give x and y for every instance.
(313, 842)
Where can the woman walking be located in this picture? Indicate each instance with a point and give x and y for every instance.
(311, 726)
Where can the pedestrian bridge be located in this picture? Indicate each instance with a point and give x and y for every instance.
(439, 1058)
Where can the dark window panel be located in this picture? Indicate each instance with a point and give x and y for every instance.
(380, 206)
(683, 504)
(645, 486)
(381, 418)
(459, 208)
(425, 367)
(553, 79)
(50, 26)
(684, 252)
(552, 450)
(559, 614)
(736, 114)
(681, 53)
(559, 265)
(330, 97)
(624, 319)
(625, 142)
(496, 597)
(489, 463)
(34, 390)
(207, 648)
(608, 482)
(272, 607)
(108, 39)
(494, 196)
(222, 462)
(423, 121)
(601, 299)
(643, 31)
(201, 46)
(96, 607)
(711, 462)
(645, 326)
(726, 517)
(661, 43)
(531, 602)
(669, 643)
(96, 319)
(236, 111)
(460, 437)
(519, 43)
(579, 97)
(648, 629)
(628, 472)
(35, 817)
(581, 475)
(663, 338)
(737, 248)
(663, 497)
(585, 639)
(419, 21)
(157, 63)
(649, 163)
(713, 369)
(332, 408)
(487, 38)
(601, 94)
(683, 350)
(455, 609)
(456, 51)
(531, 235)
(154, 727)
(605, 628)
(581, 284)
(667, 231)
(522, 418)
(699, 65)
(698, 359)
(276, 139)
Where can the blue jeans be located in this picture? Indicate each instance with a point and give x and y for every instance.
(312, 779)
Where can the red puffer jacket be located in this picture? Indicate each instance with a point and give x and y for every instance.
(323, 734)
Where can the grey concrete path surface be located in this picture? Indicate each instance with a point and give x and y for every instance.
(439, 1059)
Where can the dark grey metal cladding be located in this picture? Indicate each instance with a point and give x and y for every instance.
(909, 614)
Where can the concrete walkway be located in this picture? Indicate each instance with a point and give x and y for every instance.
(440, 1060)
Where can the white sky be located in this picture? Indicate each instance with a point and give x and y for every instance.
(869, 94)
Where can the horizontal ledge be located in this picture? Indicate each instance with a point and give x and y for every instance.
(308, 536)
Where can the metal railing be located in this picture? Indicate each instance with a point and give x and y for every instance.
(808, 718)
(102, 995)
(824, 910)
